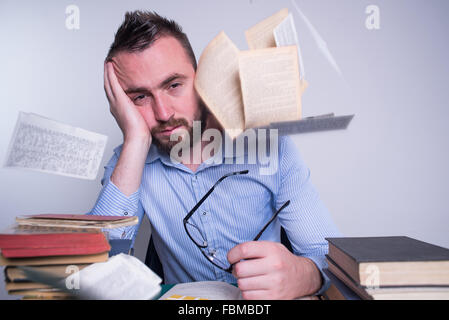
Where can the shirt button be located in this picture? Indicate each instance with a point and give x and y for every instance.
(204, 213)
(125, 213)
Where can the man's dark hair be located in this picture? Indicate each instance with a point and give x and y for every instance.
(141, 28)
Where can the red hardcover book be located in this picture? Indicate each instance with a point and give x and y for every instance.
(25, 241)
(28, 252)
(11, 241)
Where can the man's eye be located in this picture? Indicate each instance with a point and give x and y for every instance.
(139, 97)
(174, 85)
(141, 100)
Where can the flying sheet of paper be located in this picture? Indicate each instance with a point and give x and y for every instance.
(45, 145)
(217, 82)
(285, 35)
(261, 35)
(271, 87)
(322, 45)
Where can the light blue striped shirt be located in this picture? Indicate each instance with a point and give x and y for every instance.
(234, 213)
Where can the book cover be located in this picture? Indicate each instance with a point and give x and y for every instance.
(388, 249)
(50, 240)
(19, 242)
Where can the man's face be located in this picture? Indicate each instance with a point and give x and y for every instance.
(159, 81)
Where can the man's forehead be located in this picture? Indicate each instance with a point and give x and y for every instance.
(153, 65)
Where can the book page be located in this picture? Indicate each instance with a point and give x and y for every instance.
(16, 229)
(270, 85)
(77, 223)
(285, 35)
(261, 35)
(49, 146)
(203, 290)
(122, 277)
(218, 84)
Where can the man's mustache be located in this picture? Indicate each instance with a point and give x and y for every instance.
(172, 122)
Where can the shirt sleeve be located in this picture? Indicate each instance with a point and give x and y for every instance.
(112, 202)
(306, 220)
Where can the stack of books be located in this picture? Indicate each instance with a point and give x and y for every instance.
(387, 268)
(58, 245)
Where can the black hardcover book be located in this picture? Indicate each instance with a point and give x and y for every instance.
(396, 260)
(389, 249)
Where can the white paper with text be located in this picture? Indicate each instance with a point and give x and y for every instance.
(285, 35)
(45, 145)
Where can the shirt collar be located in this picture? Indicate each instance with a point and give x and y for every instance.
(153, 154)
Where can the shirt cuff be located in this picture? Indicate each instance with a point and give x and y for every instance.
(112, 202)
(321, 264)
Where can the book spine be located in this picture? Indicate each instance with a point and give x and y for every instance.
(50, 240)
(44, 252)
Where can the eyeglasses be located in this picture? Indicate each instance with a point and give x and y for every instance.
(196, 235)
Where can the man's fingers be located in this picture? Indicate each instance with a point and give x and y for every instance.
(112, 79)
(116, 88)
(256, 295)
(247, 250)
(255, 283)
(250, 268)
(107, 85)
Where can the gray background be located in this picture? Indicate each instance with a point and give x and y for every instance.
(385, 175)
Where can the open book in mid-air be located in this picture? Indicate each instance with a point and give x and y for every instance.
(257, 87)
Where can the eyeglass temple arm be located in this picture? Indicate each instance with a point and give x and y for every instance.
(210, 191)
(271, 220)
(261, 231)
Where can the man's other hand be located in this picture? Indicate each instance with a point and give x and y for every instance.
(268, 270)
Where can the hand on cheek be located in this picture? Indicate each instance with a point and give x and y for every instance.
(267, 270)
(123, 109)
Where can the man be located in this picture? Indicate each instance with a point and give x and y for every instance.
(148, 79)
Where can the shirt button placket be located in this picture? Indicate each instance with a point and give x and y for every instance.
(204, 216)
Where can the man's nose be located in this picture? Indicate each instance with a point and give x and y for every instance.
(162, 108)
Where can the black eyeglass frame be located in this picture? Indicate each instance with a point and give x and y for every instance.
(211, 257)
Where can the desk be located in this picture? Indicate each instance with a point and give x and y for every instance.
(164, 289)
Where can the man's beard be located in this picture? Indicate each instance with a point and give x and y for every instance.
(166, 145)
